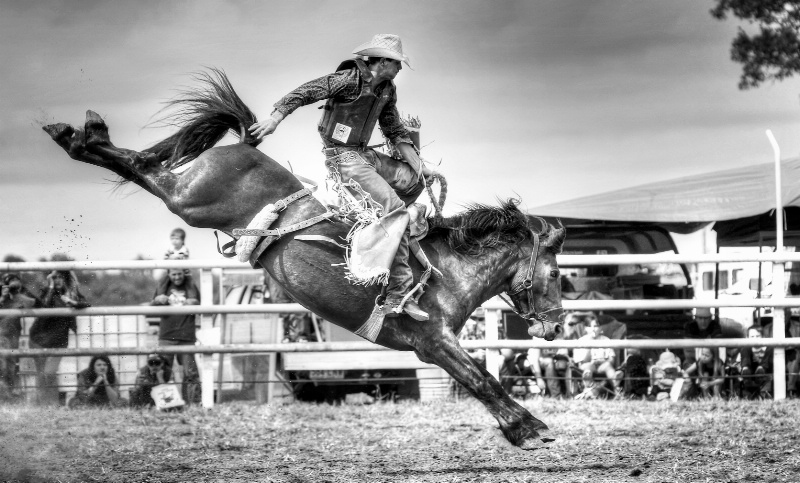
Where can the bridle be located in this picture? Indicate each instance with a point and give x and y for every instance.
(527, 286)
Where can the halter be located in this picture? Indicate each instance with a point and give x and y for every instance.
(527, 286)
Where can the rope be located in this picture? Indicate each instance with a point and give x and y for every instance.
(438, 205)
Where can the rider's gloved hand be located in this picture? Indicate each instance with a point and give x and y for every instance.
(411, 157)
(428, 174)
(267, 126)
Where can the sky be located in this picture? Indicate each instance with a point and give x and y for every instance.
(540, 100)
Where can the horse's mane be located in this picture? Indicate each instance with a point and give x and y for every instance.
(481, 228)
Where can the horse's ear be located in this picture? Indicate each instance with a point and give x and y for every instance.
(556, 237)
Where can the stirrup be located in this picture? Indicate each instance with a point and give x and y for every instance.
(407, 306)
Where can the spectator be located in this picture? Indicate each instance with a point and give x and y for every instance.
(177, 249)
(97, 385)
(156, 372)
(596, 360)
(53, 332)
(179, 330)
(634, 376)
(664, 374)
(11, 297)
(296, 327)
(708, 373)
(704, 326)
(550, 367)
(756, 367)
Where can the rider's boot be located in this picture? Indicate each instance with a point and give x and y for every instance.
(401, 279)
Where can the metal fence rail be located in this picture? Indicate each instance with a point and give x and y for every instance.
(367, 346)
(492, 314)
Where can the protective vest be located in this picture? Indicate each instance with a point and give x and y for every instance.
(351, 123)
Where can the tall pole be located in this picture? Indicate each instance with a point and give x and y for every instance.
(778, 322)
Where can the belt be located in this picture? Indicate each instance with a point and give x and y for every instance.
(338, 151)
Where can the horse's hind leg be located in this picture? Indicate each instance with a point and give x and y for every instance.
(92, 145)
(517, 424)
(143, 165)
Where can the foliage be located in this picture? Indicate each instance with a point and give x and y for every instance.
(101, 288)
(773, 53)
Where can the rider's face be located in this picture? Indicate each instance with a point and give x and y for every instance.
(388, 68)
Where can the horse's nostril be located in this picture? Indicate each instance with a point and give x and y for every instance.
(558, 329)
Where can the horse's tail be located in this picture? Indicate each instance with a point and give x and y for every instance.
(204, 115)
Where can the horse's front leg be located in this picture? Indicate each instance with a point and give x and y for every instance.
(517, 424)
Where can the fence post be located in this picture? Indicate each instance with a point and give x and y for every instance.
(206, 324)
(778, 274)
(779, 332)
(491, 318)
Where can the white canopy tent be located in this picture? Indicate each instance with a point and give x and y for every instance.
(720, 195)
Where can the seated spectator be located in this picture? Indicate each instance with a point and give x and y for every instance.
(664, 374)
(97, 385)
(756, 368)
(708, 373)
(551, 368)
(516, 374)
(154, 373)
(704, 326)
(633, 375)
(596, 360)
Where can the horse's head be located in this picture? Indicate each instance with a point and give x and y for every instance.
(535, 289)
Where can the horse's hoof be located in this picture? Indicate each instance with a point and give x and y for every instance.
(540, 426)
(535, 443)
(96, 129)
(59, 130)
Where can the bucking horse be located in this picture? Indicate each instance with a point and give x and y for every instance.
(482, 252)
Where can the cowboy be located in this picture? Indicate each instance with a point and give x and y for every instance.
(360, 94)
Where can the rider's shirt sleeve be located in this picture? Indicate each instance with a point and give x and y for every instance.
(343, 83)
(391, 125)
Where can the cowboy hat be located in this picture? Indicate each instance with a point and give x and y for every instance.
(383, 45)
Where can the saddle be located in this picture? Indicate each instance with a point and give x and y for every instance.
(368, 257)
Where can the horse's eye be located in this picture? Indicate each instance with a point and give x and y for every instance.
(554, 273)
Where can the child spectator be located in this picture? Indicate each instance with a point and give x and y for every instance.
(97, 385)
(663, 375)
(177, 249)
(156, 372)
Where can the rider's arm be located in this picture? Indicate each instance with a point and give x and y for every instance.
(343, 83)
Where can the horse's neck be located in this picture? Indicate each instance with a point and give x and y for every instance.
(482, 276)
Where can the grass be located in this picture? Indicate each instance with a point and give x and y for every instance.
(597, 441)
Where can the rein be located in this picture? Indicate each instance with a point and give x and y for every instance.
(527, 287)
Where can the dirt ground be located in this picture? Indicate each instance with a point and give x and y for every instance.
(447, 441)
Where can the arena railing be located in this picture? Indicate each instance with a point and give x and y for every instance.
(492, 344)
